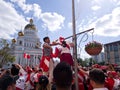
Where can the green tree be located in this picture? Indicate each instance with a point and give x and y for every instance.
(83, 62)
(5, 55)
(86, 61)
(102, 63)
(79, 60)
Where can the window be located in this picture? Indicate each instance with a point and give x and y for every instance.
(108, 56)
(116, 54)
(119, 46)
(108, 49)
(111, 48)
(115, 47)
(117, 60)
(105, 47)
(20, 42)
(25, 44)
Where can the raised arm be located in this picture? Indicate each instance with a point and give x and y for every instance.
(54, 43)
(47, 46)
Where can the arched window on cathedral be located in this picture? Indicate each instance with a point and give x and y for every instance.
(20, 42)
(32, 46)
(24, 44)
(27, 44)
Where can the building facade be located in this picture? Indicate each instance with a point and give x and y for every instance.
(99, 58)
(112, 52)
(27, 43)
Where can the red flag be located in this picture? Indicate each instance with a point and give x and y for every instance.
(27, 56)
(57, 53)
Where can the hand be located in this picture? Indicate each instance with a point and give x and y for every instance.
(71, 44)
(55, 43)
(18, 65)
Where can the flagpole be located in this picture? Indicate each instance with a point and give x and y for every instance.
(75, 45)
(26, 61)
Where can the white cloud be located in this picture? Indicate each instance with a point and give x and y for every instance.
(52, 21)
(29, 7)
(96, 7)
(37, 10)
(118, 3)
(107, 25)
(10, 20)
(70, 25)
(98, 1)
(78, 1)
(106, 2)
(22, 4)
(115, 0)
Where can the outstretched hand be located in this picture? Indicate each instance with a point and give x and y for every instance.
(55, 43)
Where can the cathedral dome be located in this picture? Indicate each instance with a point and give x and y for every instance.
(30, 26)
(20, 33)
(13, 41)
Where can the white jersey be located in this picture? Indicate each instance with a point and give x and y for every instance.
(100, 89)
(116, 82)
(64, 49)
(20, 83)
(28, 83)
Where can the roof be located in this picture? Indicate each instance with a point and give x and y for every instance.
(30, 26)
(111, 43)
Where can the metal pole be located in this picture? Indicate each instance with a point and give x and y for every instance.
(80, 33)
(75, 45)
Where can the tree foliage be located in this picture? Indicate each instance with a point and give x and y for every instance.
(82, 62)
(86, 61)
(5, 55)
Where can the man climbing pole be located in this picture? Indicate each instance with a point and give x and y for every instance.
(46, 62)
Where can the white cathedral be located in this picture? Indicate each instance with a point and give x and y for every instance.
(29, 43)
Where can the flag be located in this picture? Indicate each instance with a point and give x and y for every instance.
(56, 53)
(27, 56)
(46, 62)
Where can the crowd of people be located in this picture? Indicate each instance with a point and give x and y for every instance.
(92, 78)
(47, 76)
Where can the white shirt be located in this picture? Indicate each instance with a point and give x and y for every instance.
(117, 82)
(20, 83)
(100, 89)
(64, 49)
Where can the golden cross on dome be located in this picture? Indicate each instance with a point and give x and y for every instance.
(31, 21)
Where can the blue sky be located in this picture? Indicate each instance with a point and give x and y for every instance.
(54, 17)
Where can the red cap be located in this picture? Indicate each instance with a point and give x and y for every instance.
(61, 39)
